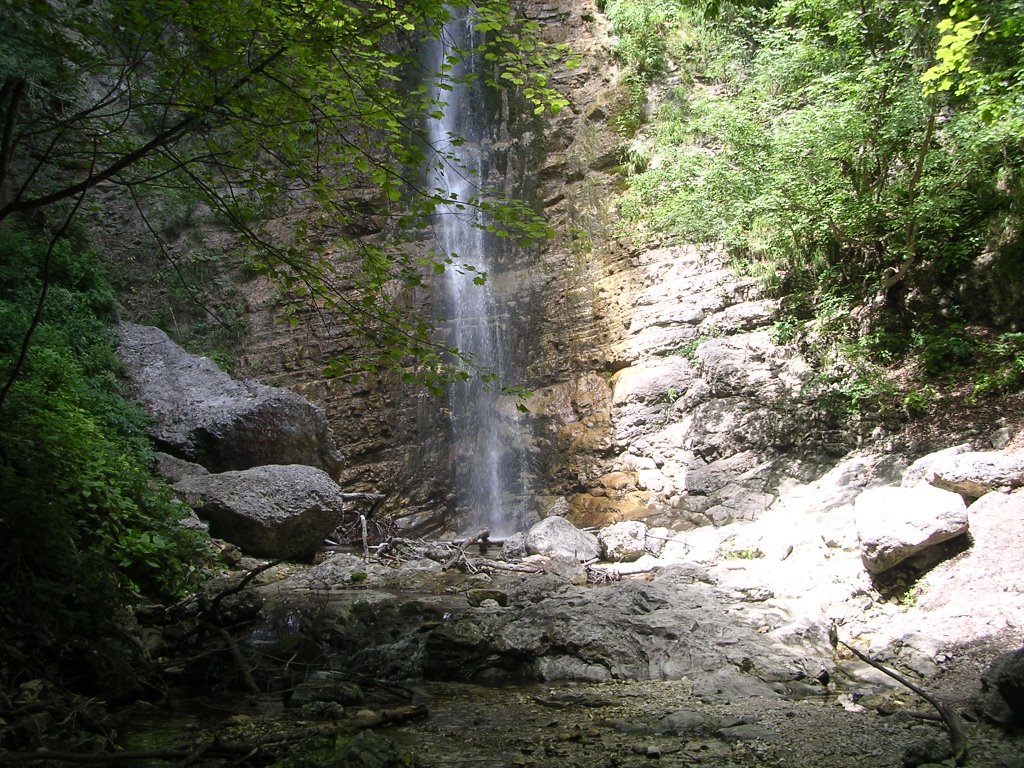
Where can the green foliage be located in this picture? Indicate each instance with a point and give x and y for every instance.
(84, 525)
(920, 401)
(784, 330)
(641, 27)
(642, 30)
(945, 350)
(255, 110)
(823, 154)
(730, 551)
(808, 147)
(200, 304)
(1002, 368)
(977, 60)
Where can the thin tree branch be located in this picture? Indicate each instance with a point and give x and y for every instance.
(11, 96)
(954, 724)
(160, 141)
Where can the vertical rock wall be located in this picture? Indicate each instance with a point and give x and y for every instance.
(659, 394)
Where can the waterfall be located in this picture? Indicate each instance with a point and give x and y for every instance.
(488, 453)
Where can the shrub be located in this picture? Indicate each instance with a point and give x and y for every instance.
(85, 528)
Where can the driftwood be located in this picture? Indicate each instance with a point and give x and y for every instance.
(460, 554)
(954, 724)
(482, 564)
(220, 747)
(362, 496)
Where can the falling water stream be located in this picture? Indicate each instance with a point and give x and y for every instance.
(488, 448)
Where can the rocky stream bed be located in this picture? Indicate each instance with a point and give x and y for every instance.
(359, 647)
(681, 664)
(454, 659)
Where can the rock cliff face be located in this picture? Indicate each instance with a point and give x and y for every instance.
(660, 394)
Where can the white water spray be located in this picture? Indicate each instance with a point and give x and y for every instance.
(488, 457)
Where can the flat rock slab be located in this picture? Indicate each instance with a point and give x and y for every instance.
(894, 523)
(670, 628)
(975, 473)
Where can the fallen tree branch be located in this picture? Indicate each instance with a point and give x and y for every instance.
(460, 549)
(954, 724)
(482, 564)
(240, 663)
(249, 576)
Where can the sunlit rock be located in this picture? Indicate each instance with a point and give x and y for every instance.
(557, 537)
(923, 468)
(894, 523)
(625, 541)
(975, 473)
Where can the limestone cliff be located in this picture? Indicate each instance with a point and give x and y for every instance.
(660, 394)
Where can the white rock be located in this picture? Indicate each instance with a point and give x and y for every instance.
(623, 542)
(921, 470)
(975, 473)
(644, 564)
(557, 537)
(656, 539)
(894, 523)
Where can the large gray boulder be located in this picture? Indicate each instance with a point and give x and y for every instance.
(202, 415)
(894, 523)
(557, 537)
(975, 473)
(271, 511)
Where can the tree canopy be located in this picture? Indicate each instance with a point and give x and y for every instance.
(256, 109)
(854, 154)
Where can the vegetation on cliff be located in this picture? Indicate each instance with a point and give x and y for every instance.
(864, 158)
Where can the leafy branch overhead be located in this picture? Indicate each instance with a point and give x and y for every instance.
(257, 109)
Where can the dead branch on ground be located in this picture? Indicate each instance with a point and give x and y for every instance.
(954, 724)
